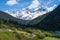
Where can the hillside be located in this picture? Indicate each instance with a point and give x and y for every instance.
(8, 17)
(49, 21)
(10, 31)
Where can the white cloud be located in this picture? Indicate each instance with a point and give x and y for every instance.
(11, 2)
(34, 4)
(46, 3)
(50, 1)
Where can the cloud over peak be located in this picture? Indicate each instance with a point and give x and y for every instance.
(34, 4)
(11, 2)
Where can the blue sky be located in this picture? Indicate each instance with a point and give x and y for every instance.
(21, 4)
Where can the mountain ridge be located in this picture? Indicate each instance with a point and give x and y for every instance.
(28, 14)
(50, 22)
(8, 17)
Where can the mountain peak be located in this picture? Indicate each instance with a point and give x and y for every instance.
(28, 14)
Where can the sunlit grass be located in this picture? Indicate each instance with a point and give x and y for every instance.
(51, 38)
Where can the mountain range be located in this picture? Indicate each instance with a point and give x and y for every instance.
(47, 20)
(28, 14)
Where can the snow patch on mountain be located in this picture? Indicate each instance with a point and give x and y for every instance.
(27, 14)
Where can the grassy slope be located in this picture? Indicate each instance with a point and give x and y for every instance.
(50, 38)
(25, 34)
(7, 36)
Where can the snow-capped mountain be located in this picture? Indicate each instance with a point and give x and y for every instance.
(28, 14)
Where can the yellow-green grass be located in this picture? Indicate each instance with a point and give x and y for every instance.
(7, 36)
(50, 38)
